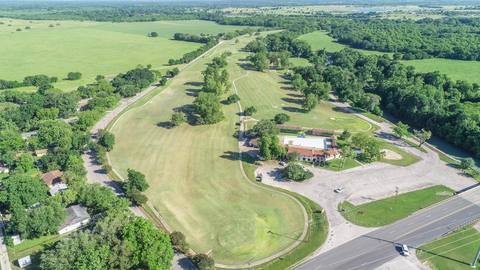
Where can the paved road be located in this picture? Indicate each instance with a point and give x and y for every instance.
(378, 247)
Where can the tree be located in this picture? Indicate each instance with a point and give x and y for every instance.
(249, 111)
(179, 242)
(345, 136)
(298, 83)
(259, 60)
(270, 148)
(369, 147)
(24, 163)
(296, 172)
(178, 118)
(320, 89)
(401, 130)
(310, 102)
(72, 76)
(136, 181)
(55, 133)
(347, 152)
(203, 262)
(151, 248)
(106, 139)
(208, 109)
(264, 127)
(38, 221)
(467, 164)
(233, 99)
(281, 118)
(137, 197)
(99, 199)
(423, 135)
(22, 190)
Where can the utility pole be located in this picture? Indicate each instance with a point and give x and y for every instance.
(477, 256)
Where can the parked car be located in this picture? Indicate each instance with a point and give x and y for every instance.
(282, 163)
(259, 177)
(404, 250)
(338, 190)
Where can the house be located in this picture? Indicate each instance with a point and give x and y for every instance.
(312, 149)
(314, 155)
(77, 216)
(41, 152)
(53, 180)
(24, 261)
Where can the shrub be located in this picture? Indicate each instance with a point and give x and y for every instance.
(296, 172)
(203, 262)
(72, 76)
(179, 241)
(233, 99)
(281, 118)
(249, 111)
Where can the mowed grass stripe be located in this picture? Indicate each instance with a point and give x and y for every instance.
(195, 178)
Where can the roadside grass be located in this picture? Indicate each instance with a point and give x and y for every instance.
(452, 252)
(270, 94)
(374, 117)
(386, 211)
(92, 48)
(195, 180)
(406, 160)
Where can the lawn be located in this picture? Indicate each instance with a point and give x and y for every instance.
(452, 252)
(91, 48)
(33, 248)
(336, 164)
(270, 94)
(195, 179)
(386, 211)
(406, 158)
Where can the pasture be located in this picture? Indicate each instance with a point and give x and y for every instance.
(195, 179)
(456, 69)
(92, 48)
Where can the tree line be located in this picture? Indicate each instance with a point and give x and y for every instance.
(37, 80)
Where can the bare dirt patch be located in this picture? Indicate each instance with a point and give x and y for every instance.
(389, 154)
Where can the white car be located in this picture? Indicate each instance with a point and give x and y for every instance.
(282, 163)
(404, 250)
(338, 190)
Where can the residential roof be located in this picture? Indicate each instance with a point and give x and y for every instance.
(41, 152)
(311, 152)
(308, 142)
(52, 178)
(75, 214)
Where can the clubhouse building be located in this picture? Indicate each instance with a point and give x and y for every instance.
(314, 149)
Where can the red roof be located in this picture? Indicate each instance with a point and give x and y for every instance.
(310, 152)
(52, 178)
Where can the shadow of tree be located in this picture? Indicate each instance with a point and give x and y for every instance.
(293, 100)
(293, 109)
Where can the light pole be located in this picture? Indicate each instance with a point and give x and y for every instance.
(477, 256)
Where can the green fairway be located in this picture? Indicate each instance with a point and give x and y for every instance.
(321, 40)
(388, 210)
(270, 94)
(455, 69)
(452, 252)
(195, 179)
(92, 48)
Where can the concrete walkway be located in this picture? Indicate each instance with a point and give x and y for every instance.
(4, 260)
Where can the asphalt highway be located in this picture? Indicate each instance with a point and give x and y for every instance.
(370, 251)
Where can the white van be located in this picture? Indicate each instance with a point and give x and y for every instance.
(405, 251)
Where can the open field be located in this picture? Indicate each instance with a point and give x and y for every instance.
(455, 69)
(195, 179)
(321, 40)
(91, 48)
(386, 211)
(270, 94)
(405, 159)
(452, 252)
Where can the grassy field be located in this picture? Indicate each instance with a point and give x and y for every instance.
(406, 160)
(452, 252)
(33, 248)
(91, 48)
(455, 69)
(195, 179)
(321, 40)
(270, 94)
(388, 210)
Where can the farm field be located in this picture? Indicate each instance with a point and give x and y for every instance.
(386, 211)
(455, 69)
(270, 94)
(195, 178)
(321, 40)
(91, 48)
(452, 252)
